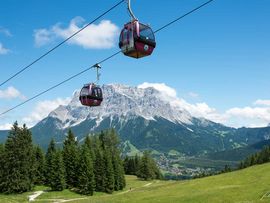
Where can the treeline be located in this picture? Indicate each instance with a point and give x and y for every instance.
(143, 167)
(226, 169)
(95, 165)
(258, 158)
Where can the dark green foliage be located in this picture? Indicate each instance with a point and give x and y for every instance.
(89, 142)
(264, 155)
(131, 165)
(241, 165)
(226, 169)
(54, 168)
(112, 142)
(117, 173)
(109, 172)
(2, 162)
(137, 163)
(144, 167)
(260, 157)
(95, 166)
(57, 173)
(86, 183)
(148, 169)
(39, 166)
(18, 158)
(121, 177)
(48, 162)
(99, 168)
(239, 154)
(71, 158)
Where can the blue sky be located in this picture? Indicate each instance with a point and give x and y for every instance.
(217, 59)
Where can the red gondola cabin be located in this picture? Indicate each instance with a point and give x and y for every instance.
(91, 95)
(137, 40)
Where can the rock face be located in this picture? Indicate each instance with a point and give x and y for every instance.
(148, 120)
(123, 102)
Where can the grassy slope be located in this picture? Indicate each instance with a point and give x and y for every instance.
(248, 185)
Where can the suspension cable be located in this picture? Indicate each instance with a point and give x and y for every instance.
(61, 43)
(102, 61)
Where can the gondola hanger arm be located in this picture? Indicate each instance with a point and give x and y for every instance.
(130, 10)
(97, 66)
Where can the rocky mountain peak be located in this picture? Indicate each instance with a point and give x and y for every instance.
(122, 101)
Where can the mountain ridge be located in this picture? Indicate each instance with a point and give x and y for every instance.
(148, 119)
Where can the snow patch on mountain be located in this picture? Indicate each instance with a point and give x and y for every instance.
(122, 101)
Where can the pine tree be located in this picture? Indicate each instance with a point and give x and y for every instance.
(126, 165)
(109, 173)
(122, 180)
(252, 160)
(137, 163)
(258, 158)
(1, 164)
(99, 169)
(264, 155)
(131, 165)
(158, 174)
(48, 162)
(226, 169)
(18, 170)
(119, 172)
(57, 179)
(116, 170)
(71, 158)
(108, 166)
(148, 169)
(39, 166)
(89, 142)
(241, 165)
(86, 172)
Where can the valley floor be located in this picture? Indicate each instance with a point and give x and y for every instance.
(248, 185)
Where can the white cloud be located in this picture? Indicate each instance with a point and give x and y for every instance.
(42, 109)
(200, 110)
(95, 36)
(5, 31)
(3, 50)
(249, 112)
(197, 109)
(162, 87)
(262, 102)
(11, 93)
(258, 116)
(6, 126)
(42, 37)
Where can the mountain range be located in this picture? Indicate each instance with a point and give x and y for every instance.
(146, 118)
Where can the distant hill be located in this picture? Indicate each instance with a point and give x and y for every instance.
(3, 135)
(239, 154)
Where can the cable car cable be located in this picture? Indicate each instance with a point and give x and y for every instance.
(61, 43)
(186, 14)
(57, 85)
(102, 61)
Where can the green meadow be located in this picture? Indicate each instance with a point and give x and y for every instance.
(243, 186)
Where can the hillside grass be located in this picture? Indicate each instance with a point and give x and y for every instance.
(248, 185)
